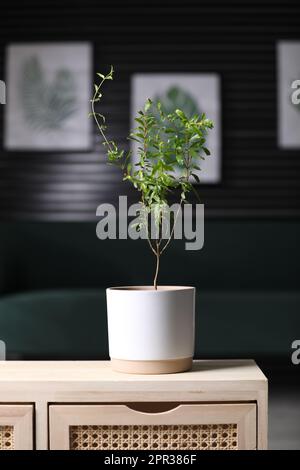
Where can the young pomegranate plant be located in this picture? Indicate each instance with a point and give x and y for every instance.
(170, 149)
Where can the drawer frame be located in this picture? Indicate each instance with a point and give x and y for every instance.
(62, 416)
(20, 417)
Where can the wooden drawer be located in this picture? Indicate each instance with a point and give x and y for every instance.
(16, 427)
(129, 427)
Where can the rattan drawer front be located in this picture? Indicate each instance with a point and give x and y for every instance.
(186, 427)
(7, 438)
(143, 437)
(16, 427)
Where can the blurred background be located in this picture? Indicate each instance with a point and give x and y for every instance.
(53, 175)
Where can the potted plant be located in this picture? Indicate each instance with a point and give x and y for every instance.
(151, 328)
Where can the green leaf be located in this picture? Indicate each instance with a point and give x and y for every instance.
(181, 115)
(139, 120)
(179, 159)
(148, 105)
(206, 151)
(194, 138)
(131, 137)
(196, 177)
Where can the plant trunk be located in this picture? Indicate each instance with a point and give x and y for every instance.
(157, 267)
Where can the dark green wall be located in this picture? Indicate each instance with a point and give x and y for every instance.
(252, 255)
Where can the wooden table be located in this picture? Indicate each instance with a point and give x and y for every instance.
(85, 405)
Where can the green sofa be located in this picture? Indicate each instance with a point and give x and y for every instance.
(53, 278)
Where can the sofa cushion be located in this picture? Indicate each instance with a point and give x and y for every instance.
(66, 324)
(71, 324)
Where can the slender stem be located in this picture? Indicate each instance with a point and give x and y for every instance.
(145, 216)
(157, 265)
(95, 115)
(173, 228)
(150, 244)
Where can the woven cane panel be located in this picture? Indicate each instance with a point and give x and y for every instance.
(199, 437)
(6, 438)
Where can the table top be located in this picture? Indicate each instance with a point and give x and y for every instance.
(203, 371)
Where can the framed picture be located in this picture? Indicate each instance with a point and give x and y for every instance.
(48, 96)
(288, 62)
(194, 94)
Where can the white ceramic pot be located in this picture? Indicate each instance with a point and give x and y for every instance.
(151, 331)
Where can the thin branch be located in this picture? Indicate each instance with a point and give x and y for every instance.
(95, 115)
(173, 228)
(150, 244)
(147, 226)
(157, 266)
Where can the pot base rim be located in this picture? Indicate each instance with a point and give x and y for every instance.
(164, 366)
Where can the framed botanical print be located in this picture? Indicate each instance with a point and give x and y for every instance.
(192, 93)
(48, 88)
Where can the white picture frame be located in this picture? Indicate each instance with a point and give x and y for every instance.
(48, 96)
(204, 89)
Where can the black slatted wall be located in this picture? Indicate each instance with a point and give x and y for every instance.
(235, 38)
